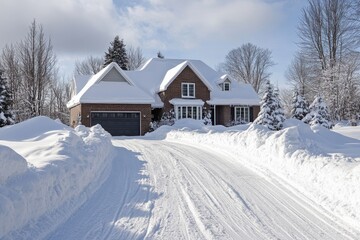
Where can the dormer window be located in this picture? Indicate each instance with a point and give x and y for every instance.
(226, 86)
(188, 90)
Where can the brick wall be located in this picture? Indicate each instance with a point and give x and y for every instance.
(86, 109)
(174, 89)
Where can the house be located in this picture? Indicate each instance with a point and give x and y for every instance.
(125, 102)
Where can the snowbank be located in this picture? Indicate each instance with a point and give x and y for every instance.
(320, 163)
(47, 171)
(11, 164)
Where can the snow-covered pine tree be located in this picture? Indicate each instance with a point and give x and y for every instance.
(6, 116)
(267, 103)
(300, 108)
(117, 53)
(278, 112)
(319, 114)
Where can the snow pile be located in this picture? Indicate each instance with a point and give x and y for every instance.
(320, 163)
(47, 171)
(11, 163)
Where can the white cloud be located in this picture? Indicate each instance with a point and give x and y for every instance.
(185, 28)
(75, 26)
(188, 23)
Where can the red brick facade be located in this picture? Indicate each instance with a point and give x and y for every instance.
(85, 109)
(174, 89)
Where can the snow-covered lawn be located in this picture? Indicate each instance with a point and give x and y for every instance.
(353, 132)
(184, 181)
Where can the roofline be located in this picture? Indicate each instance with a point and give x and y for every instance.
(185, 64)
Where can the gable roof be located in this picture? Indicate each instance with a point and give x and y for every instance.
(110, 85)
(172, 74)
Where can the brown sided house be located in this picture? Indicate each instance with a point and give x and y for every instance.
(125, 102)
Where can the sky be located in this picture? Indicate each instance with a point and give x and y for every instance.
(189, 29)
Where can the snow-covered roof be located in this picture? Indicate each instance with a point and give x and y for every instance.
(175, 71)
(155, 76)
(79, 82)
(239, 94)
(186, 102)
(111, 85)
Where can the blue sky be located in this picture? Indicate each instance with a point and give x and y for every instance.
(202, 29)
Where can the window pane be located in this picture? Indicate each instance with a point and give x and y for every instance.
(189, 115)
(226, 86)
(191, 90)
(237, 114)
(185, 90)
(183, 112)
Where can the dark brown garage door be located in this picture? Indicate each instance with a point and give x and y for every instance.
(118, 123)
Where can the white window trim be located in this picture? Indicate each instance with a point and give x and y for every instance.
(239, 107)
(223, 86)
(179, 112)
(188, 90)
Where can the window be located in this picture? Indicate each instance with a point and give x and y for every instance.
(226, 86)
(193, 112)
(188, 90)
(242, 114)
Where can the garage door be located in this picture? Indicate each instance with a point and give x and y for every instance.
(118, 123)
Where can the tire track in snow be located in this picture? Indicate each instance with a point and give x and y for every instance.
(194, 192)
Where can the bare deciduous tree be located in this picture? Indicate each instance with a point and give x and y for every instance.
(327, 41)
(89, 66)
(37, 61)
(300, 76)
(30, 67)
(58, 97)
(249, 64)
(135, 58)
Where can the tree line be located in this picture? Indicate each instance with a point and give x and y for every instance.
(29, 78)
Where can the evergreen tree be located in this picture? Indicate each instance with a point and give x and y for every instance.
(300, 107)
(278, 113)
(271, 113)
(265, 116)
(6, 116)
(319, 114)
(117, 53)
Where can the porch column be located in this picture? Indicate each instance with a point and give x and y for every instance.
(214, 115)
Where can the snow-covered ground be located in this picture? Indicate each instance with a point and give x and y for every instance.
(322, 164)
(187, 181)
(47, 170)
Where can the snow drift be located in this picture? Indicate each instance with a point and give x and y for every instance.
(47, 170)
(321, 163)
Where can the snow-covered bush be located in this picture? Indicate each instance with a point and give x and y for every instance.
(319, 114)
(167, 118)
(207, 117)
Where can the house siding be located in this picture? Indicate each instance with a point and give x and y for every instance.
(223, 115)
(86, 109)
(74, 113)
(174, 89)
(256, 110)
